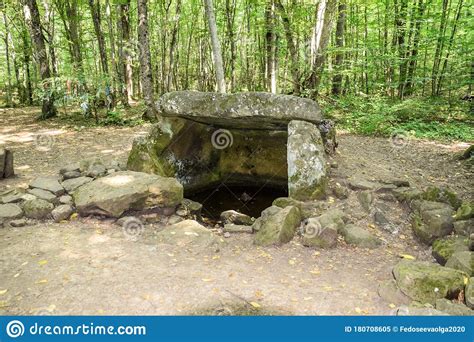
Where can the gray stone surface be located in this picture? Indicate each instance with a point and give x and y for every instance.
(469, 293)
(278, 228)
(72, 184)
(237, 228)
(232, 216)
(463, 261)
(43, 194)
(355, 235)
(50, 184)
(62, 212)
(114, 194)
(453, 309)
(307, 171)
(253, 110)
(10, 211)
(38, 209)
(432, 220)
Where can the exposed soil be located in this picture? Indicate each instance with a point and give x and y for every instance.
(88, 266)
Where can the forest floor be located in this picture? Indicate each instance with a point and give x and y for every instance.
(88, 267)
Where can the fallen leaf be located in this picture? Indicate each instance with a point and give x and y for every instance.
(42, 281)
(2, 292)
(358, 310)
(391, 305)
(16, 275)
(255, 305)
(207, 279)
(315, 272)
(407, 256)
(42, 262)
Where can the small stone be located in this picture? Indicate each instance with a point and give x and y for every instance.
(235, 228)
(72, 184)
(454, 309)
(18, 223)
(278, 228)
(65, 199)
(70, 168)
(14, 196)
(96, 170)
(37, 209)
(318, 234)
(44, 195)
(62, 212)
(232, 216)
(227, 235)
(444, 248)
(10, 211)
(339, 191)
(463, 261)
(355, 235)
(362, 184)
(50, 184)
(465, 227)
(71, 175)
(191, 208)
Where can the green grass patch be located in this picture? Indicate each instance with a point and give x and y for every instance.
(428, 118)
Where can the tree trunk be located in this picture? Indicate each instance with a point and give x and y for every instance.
(322, 42)
(340, 26)
(146, 76)
(271, 47)
(126, 47)
(32, 17)
(216, 46)
(291, 47)
(94, 6)
(7, 56)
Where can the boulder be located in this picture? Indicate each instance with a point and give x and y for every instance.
(333, 217)
(465, 211)
(442, 195)
(232, 216)
(38, 209)
(12, 196)
(445, 247)
(307, 172)
(114, 194)
(316, 234)
(9, 212)
(278, 228)
(469, 293)
(426, 282)
(452, 308)
(264, 216)
(72, 184)
(239, 110)
(308, 209)
(44, 195)
(62, 212)
(465, 227)
(407, 194)
(65, 199)
(432, 220)
(50, 184)
(73, 167)
(463, 261)
(355, 235)
(189, 234)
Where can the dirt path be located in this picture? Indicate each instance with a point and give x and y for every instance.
(90, 267)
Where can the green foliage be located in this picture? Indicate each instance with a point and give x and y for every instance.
(430, 118)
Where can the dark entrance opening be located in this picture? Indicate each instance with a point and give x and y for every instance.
(249, 200)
